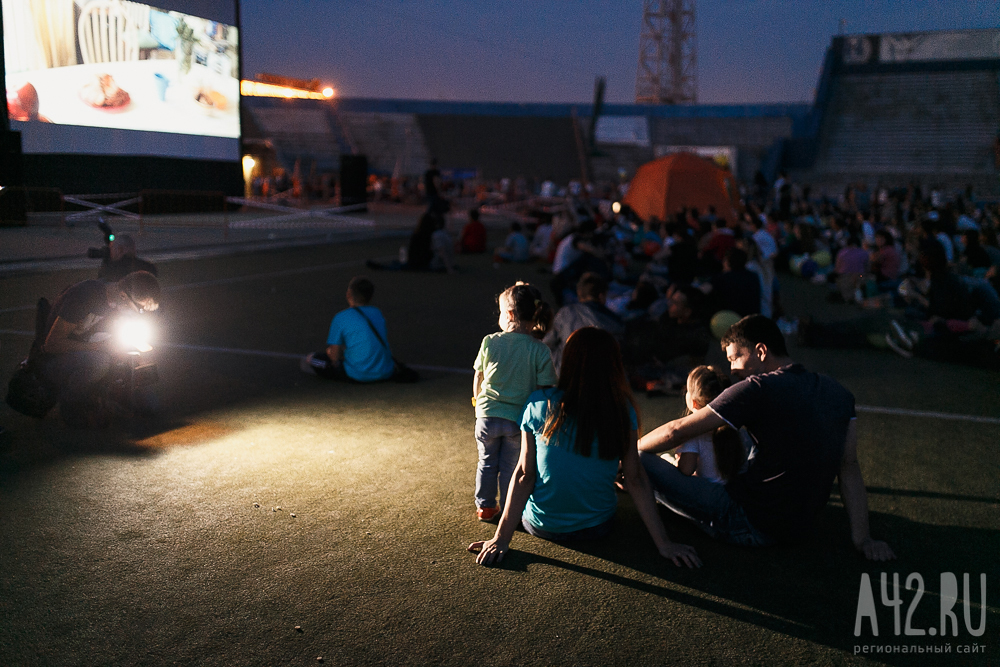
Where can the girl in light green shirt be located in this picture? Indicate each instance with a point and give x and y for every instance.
(510, 365)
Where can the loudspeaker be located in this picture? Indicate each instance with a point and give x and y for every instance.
(353, 179)
(13, 197)
(11, 164)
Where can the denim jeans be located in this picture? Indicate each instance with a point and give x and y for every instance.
(706, 503)
(499, 442)
(592, 533)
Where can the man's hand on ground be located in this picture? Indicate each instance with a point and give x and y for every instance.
(681, 554)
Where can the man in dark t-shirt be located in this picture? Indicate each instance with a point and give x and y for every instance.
(803, 427)
(75, 353)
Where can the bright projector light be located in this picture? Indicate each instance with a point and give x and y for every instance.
(134, 334)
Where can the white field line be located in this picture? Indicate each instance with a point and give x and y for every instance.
(229, 350)
(286, 355)
(261, 276)
(258, 353)
(871, 409)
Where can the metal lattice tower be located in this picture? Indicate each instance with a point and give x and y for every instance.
(668, 55)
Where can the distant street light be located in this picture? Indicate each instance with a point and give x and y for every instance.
(248, 164)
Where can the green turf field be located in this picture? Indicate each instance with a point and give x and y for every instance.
(263, 499)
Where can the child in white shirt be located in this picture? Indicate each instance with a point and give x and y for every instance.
(717, 456)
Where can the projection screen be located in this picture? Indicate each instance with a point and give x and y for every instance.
(113, 77)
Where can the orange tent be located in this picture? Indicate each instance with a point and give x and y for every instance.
(662, 187)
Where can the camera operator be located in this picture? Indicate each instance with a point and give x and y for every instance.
(74, 357)
(121, 260)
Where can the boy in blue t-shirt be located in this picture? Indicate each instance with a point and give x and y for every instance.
(356, 347)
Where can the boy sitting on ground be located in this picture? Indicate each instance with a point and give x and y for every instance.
(356, 347)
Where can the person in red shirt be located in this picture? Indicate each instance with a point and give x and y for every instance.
(721, 240)
(473, 237)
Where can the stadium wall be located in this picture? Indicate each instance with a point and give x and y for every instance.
(532, 140)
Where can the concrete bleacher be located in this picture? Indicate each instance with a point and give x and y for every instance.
(911, 125)
(393, 142)
(900, 108)
(309, 134)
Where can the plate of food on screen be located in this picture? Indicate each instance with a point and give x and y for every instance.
(22, 104)
(209, 100)
(101, 92)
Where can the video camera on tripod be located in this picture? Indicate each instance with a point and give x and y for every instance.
(103, 252)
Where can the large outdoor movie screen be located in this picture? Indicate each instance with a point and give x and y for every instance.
(118, 77)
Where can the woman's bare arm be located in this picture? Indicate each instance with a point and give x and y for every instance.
(642, 495)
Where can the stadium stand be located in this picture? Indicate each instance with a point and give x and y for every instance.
(935, 124)
(896, 108)
(302, 133)
(393, 142)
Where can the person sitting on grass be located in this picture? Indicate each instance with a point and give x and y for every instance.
(442, 248)
(356, 347)
(803, 426)
(573, 438)
(975, 259)
(430, 249)
(737, 288)
(850, 266)
(717, 456)
(472, 240)
(541, 240)
(885, 262)
(590, 311)
(514, 248)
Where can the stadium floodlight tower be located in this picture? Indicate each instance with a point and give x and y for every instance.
(668, 58)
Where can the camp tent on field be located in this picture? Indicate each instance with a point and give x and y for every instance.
(664, 186)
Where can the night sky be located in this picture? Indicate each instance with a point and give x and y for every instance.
(749, 51)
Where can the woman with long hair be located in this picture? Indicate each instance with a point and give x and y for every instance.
(573, 438)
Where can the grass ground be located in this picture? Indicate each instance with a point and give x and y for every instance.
(174, 541)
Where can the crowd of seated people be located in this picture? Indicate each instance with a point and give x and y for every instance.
(930, 262)
(869, 247)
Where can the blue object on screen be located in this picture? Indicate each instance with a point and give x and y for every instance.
(163, 26)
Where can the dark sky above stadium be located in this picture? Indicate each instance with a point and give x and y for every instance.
(749, 51)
